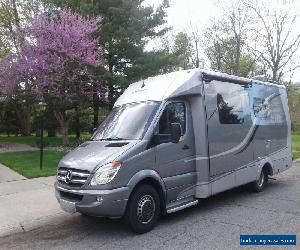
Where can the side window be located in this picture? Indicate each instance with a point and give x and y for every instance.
(270, 110)
(259, 109)
(230, 108)
(276, 115)
(174, 112)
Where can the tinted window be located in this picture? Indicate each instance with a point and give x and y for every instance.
(269, 109)
(230, 108)
(173, 113)
(259, 109)
(276, 114)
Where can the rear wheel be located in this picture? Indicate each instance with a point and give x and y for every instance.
(143, 209)
(259, 185)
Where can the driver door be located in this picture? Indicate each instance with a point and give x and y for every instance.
(171, 158)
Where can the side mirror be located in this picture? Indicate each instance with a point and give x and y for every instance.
(175, 132)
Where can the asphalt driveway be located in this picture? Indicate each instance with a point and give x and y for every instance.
(215, 223)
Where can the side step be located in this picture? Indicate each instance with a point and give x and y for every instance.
(182, 206)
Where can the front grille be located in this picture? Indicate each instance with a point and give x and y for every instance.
(78, 177)
(71, 196)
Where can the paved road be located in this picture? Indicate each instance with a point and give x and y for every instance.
(6, 147)
(215, 223)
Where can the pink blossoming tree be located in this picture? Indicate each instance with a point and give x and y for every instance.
(57, 62)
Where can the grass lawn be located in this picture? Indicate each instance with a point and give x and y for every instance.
(296, 145)
(28, 164)
(34, 141)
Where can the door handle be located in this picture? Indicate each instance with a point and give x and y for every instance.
(185, 147)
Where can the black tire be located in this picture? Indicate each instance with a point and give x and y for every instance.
(260, 184)
(143, 209)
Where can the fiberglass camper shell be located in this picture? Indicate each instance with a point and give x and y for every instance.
(173, 139)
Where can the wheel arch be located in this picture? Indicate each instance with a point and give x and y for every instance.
(152, 178)
(267, 168)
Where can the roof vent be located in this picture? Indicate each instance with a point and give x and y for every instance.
(262, 78)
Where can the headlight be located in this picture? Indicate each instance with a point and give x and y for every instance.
(105, 173)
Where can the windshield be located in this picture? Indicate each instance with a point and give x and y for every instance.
(127, 122)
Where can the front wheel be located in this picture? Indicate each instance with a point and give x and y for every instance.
(259, 185)
(143, 209)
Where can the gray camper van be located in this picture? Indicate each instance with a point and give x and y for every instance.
(173, 139)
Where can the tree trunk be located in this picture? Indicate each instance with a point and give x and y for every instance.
(23, 119)
(96, 117)
(77, 123)
(65, 134)
(64, 126)
(197, 54)
(274, 73)
(95, 107)
(26, 127)
(51, 132)
(77, 127)
(238, 55)
(110, 96)
(38, 132)
(110, 84)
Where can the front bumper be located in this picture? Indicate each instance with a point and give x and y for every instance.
(100, 203)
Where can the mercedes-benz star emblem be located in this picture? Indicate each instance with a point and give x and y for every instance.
(68, 176)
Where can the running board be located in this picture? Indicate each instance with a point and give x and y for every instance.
(175, 209)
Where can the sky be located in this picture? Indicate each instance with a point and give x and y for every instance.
(188, 14)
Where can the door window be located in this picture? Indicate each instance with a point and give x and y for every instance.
(174, 112)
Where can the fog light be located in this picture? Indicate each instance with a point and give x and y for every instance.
(99, 198)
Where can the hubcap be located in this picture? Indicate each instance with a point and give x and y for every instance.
(261, 179)
(145, 209)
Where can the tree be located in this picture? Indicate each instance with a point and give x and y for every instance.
(127, 26)
(226, 42)
(14, 16)
(278, 40)
(56, 61)
(294, 107)
(183, 50)
(221, 54)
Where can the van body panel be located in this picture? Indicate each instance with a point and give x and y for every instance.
(136, 160)
(228, 131)
(163, 87)
(92, 153)
(171, 158)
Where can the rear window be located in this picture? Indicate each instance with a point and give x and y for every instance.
(269, 109)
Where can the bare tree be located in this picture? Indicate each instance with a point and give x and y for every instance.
(194, 35)
(212, 44)
(239, 20)
(226, 41)
(278, 40)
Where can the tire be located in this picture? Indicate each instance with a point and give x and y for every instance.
(143, 209)
(260, 184)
